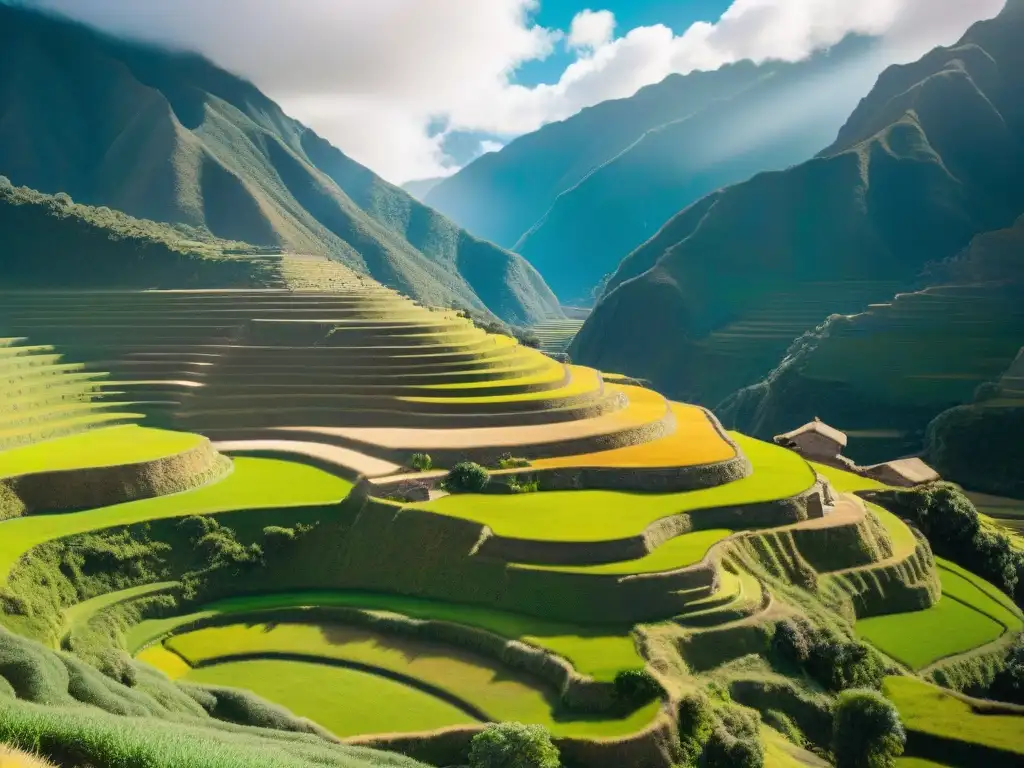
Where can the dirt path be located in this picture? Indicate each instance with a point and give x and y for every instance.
(340, 457)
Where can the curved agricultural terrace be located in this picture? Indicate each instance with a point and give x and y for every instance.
(218, 485)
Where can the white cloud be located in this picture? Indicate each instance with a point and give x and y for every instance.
(590, 29)
(490, 146)
(372, 76)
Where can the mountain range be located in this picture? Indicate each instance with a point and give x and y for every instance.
(930, 159)
(576, 196)
(170, 137)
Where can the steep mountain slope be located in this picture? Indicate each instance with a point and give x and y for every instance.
(51, 241)
(419, 188)
(782, 117)
(884, 374)
(930, 159)
(171, 137)
(501, 195)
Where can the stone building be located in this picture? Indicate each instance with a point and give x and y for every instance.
(815, 440)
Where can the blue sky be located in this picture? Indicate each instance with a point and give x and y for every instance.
(678, 15)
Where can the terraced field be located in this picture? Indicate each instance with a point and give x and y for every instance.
(556, 335)
(233, 504)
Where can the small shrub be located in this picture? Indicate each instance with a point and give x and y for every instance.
(1008, 684)
(636, 687)
(5, 183)
(736, 742)
(421, 462)
(63, 199)
(513, 745)
(508, 461)
(517, 486)
(837, 663)
(790, 643)
(466, 477)
(276, 537)
(696, 723)
(867, 732)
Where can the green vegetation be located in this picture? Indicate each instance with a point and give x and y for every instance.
(931, 710)
(254, 484)
(680, 552)
(466, 477)
(599, 652)
(599, 515)
(970, 614)
(292, 191)
(341, 700)
(513, 745)
(421, 462)
(867, 731)
(127, 444)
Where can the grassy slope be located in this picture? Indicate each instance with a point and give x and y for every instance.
(676, 553)
(254, 483)
(128, 444)
(312, 690)
(598, 652)
(970, 614)
(502, 694)
(600, 515)
(929, 709)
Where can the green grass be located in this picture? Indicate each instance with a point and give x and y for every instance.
(676, 553)
(929, 709)
(80, 613)
(496, 690)
(597, 652)
(344, 701)
(128, 444)
(968, 615)
(254, 484)
(903, 540)
(847, 482)
(602, 515)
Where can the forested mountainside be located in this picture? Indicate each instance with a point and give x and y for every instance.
(928, 160)
(49, 240)
(783, 116)
(886, 373)
(171, 137)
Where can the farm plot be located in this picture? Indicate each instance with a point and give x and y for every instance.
(967, 616)
(254, 484)
(599, 652)
(110, 446)
(602, 515)
(479, 687)
(930, 710)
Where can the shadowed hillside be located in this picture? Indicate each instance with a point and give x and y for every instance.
(929, 159)
(501, 195)
(171, 137)
(781, 117)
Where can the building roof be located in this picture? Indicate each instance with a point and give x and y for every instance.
(913, 470)
(818, 427)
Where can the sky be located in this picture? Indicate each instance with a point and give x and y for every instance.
(416, 88)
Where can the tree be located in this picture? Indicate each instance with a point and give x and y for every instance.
(513, 745)
(467, 477)
(636, 687)
(867, 732)
(696, 724)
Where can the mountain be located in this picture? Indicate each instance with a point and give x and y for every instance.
(928, 160)
(884, 374)
(419, 188)
(786, 114)
(501, 195)
(49, 240)
(170, 137)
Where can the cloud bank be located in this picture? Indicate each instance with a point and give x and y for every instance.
(373, 77)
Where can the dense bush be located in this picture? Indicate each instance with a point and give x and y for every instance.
(782, 723)
(696, 723)
(834, 661)
(953, 528)
(867, 731)
(736, 741)
(421, 462)
(466, 477)
(636, 687)
(979, 445)
(1008, 684)
(513, 745)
